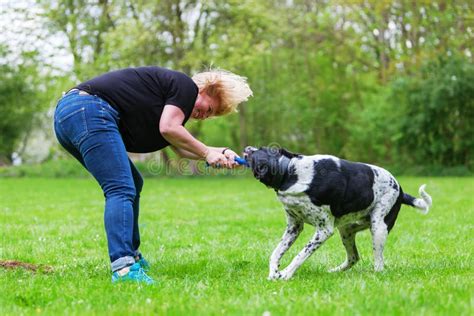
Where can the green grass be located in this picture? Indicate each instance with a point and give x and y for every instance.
(209, 240)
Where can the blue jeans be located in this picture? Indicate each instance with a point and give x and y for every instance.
(87, 127)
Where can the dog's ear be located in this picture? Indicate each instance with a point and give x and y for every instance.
(288, 154)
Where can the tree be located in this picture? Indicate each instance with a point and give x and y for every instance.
(18, 106)
(438, 111)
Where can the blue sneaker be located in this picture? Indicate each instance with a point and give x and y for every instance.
(144, 264)
(135, 274)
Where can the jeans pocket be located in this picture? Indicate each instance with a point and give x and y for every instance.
(74, 125)
(110, 109)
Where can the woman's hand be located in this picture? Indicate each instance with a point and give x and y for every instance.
(217, 159)
(230, 154)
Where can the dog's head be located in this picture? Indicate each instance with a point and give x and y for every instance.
(269, 165)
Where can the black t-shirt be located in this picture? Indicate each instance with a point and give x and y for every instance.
(140, 95)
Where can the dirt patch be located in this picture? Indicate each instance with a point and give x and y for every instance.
(13, 264)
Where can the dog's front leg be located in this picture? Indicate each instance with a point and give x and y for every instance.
(293, 229)
(316, 241)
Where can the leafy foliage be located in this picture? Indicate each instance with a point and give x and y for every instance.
(344, 78)
(437, 116)
(17, 109)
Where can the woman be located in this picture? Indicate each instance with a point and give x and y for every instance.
(140, 110)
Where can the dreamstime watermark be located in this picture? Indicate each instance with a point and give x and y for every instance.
(187, 167)
(274, 148)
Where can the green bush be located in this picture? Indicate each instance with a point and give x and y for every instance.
(438, 107)
(18, 107)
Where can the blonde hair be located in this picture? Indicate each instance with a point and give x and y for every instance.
(228, 88)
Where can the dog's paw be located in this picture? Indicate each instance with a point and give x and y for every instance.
(340, 268)
(378, 265)
(335, 270)
(274, 275)
(285, 275)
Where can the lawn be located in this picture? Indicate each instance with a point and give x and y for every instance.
(209, 239)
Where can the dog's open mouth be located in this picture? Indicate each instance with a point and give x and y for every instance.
(248, 152)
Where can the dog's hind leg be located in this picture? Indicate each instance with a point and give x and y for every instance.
(379, 231)
(293, 229)
(348, 234)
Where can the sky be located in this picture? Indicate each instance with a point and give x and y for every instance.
(23, 29)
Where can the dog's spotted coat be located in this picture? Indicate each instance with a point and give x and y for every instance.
(327, 193)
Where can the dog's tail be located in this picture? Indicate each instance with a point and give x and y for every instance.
(423, 204)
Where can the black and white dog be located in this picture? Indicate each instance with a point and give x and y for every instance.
(328, 192)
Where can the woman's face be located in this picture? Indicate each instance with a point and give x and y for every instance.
(204, 107)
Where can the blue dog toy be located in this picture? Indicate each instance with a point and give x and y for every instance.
(240, 161)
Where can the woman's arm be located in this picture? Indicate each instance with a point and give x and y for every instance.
(172, 130)
(184, 153)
